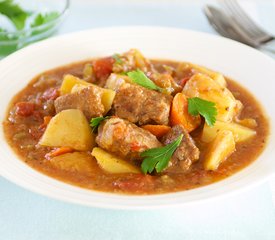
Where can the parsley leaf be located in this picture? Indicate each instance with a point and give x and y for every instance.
(205, 108)
(43, 18)
(117, 58)
(141, 79)
(94, 123)
(14, 12)
(158, 158)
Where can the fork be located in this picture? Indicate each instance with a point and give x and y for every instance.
(223, 24)
(247, 28)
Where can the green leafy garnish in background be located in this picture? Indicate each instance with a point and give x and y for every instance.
(94, 123)
(205, 108)
(43, 18)
(141, 79)
(14, 12)
(158, 158)
(3, 37)
(20, 18)
(11, 47)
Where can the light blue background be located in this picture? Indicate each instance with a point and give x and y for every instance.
(248, 215)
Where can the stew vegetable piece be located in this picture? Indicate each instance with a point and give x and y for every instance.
(127, 124)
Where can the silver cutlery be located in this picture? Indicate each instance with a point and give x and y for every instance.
(222, 23)
(234, 23)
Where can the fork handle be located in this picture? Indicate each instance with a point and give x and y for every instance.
(268, 46)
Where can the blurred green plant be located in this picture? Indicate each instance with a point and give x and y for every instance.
(22, 20)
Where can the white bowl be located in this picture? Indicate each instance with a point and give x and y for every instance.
(249, 67)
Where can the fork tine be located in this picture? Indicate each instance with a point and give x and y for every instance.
(218, 20)
(248, 25)
(242, 15)
(236, 11)
(215, 24)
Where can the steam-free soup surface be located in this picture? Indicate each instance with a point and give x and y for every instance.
(31, 111)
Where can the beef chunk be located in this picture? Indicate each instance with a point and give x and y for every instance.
(125, 139)
(141, 105)
(185, 154)
(88, 100)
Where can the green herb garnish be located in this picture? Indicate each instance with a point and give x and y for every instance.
(158, 158)
(205, 108)
(94, 123)
(43, 18)
(117, 58)
(141, 79)
(14, 12)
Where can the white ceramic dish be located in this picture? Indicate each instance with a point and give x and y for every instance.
(249, 67)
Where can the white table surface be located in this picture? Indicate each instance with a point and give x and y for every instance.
(248, 215)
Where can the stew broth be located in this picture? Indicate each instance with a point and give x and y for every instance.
(23, 134)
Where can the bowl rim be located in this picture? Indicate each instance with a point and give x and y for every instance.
(161, 199)
(24, 32)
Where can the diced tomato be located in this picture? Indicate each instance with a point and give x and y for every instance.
(51, 94)
(137, 183)
(135, 146)
(103, 67)
(25, 109)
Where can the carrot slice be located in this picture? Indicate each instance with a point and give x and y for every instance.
(179, 114)
(157, 130)
(47, 119)
(43, 126)
(58, 151)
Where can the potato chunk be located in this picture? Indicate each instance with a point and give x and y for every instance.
(111, 163)
(240, 132)
(219, 150)
(217, 77)
(107, 99)
(80, 162)
(186, 67)
(72, 84)
(69, 81)
(78, 87)
(69, 128)
(206, 88)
